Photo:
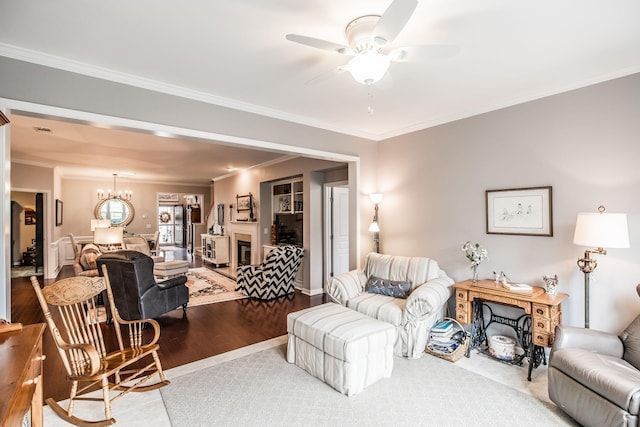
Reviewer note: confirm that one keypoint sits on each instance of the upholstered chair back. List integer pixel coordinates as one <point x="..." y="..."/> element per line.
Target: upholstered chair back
<point x="135" y="291"/>
<point x="417" y="270"/>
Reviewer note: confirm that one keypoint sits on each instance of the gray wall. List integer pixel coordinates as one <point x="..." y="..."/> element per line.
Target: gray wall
<point x="584" y="143"/>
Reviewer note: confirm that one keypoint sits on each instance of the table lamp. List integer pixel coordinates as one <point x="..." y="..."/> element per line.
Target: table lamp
<point x="100" y="223"/>
<point x="600" y="230"/>
<point x="109" y="237"/>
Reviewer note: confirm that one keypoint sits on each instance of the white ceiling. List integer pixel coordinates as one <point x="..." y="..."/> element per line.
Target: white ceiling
<point x="234" y="53"/>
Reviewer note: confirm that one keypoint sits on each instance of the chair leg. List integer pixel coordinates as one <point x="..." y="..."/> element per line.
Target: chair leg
<point x="184" y="307"/>
<point x="105" y="397"/>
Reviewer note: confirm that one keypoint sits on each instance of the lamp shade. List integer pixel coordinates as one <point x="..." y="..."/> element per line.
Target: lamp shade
<point x="376" y="197"/>
<point x="602" y="230"/>
<point x="374" y="227"/>
<point x="100" y="223"/>
<point x="108" y="236"/>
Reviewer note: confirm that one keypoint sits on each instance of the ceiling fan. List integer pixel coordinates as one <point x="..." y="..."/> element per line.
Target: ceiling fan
<point x="369" y="35"/>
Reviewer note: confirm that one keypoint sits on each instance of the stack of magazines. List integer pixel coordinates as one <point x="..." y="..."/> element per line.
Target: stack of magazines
<point x="443" y="338"/>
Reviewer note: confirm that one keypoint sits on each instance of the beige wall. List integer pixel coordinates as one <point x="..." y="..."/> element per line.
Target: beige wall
<point x="80" y="199"/>
<point x="584" y="143"/>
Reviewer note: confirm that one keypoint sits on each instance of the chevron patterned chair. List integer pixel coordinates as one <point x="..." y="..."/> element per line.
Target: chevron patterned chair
<point x="274" y="277"/>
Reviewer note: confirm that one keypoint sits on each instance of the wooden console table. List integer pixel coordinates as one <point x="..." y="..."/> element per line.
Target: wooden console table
<point x="21" y="384"/>
<point x="535" y="330"/>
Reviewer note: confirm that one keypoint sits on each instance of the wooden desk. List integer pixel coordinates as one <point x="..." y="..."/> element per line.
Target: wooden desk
<point x="545" y="312"/>
<point x="21" y="383"/>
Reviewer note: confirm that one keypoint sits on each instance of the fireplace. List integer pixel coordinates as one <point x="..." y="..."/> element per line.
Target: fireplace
<point x="244" y="252"/>
<point x="243" y="243"/>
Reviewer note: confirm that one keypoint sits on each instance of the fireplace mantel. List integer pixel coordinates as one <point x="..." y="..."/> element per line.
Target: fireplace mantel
<point x="246" y="228"/>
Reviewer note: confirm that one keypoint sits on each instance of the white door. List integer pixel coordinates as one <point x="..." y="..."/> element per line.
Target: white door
<point x="337" y="230"/>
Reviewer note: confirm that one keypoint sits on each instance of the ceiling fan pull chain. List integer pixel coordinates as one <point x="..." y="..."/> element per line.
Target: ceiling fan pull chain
<point x="370" y="103"/>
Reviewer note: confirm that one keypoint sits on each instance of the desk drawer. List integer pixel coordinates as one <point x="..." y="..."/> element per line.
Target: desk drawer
<point x="462" y="317"/>
<point x="540" y="324"/>
<point x="462" y="295"/>
<point x="542" y="339"/>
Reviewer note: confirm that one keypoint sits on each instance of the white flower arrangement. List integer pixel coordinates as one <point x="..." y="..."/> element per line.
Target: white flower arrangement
<point x="474" y="253"/>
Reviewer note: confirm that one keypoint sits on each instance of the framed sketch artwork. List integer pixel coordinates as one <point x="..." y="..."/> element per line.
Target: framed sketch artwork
<point x="58" y="212"/>
<point x="520" y="211"/>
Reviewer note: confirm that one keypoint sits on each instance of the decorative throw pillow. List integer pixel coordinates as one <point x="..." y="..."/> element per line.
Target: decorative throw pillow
<point x="631" y="341"/>
<point x="391" y="288"/>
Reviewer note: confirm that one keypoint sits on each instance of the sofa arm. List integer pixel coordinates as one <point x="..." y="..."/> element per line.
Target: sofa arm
<point x="428" y="298"/>
<point x="587" y="339"/>
<point x="345" y="286"/>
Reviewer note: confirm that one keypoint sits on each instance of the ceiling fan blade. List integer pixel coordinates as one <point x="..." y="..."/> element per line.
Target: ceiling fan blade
<point x="393" y="21"/>
<point x="320" y="44"/>
<point x="424" y="52"/>
<point x="326" y="75"/>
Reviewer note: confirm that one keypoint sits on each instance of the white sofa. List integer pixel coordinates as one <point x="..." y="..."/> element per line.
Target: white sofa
<point x="413" y="317"/>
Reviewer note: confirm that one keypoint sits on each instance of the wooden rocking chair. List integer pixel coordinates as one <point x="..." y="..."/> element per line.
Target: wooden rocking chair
<point x="78" y="335"/>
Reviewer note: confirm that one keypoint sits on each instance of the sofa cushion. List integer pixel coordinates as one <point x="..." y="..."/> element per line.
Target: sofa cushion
<point x="88" y="257"/>
<point x="391" y="288"/>
<point x="631" y="341"/>
<point x="381" y="307"/>
<point x="603" y="374"/>
<point x="417" y="270"/>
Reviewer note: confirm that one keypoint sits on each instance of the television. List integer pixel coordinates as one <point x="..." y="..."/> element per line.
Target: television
<point x="289" y="229"/>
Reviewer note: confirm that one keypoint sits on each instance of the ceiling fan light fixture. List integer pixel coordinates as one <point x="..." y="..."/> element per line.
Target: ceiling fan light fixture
<point x="368" y="67"/>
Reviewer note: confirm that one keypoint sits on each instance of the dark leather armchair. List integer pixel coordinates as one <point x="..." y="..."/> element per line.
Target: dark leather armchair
<point x="136" y="293"/>
<point x="595" y="376"/>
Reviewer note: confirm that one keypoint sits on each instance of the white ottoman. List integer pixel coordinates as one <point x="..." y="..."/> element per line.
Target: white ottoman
<point x="345" y="349"/>
<point x="168" y="269"/>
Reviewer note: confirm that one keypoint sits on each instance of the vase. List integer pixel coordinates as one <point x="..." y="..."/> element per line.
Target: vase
<point x="474" y="278"/>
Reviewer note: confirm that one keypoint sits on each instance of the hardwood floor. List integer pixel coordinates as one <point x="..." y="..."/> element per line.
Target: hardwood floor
<point x="205" y="331"/>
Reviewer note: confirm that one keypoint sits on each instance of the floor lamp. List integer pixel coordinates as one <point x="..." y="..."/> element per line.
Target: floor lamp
<point x="600" y="230"/>
<point x="374" y="228"/>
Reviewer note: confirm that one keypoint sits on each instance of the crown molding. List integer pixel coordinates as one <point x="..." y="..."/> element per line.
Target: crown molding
<point x="47" y="60"/>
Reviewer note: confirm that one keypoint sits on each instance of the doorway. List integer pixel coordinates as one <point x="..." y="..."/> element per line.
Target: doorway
<point x="27" y="233"/>
<point x="171" y="225"/>
<point x="336" y="236"/>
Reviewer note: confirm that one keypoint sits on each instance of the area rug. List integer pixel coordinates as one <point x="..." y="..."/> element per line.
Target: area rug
<point x="26" y="271"/>
<point x="262" y="389"/>
<point x="207" y="287"/>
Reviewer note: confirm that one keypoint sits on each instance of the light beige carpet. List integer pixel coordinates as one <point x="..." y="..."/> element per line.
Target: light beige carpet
<point x="207" y="287"/>
<point x="262" y="389"/>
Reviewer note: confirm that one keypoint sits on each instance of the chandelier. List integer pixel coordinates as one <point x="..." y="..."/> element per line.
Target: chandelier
<point x="114" y="194"/>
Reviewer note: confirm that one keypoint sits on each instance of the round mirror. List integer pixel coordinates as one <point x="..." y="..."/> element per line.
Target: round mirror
<point x="119" y="212"/>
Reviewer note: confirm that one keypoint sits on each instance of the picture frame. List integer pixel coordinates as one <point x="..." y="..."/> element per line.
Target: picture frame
<point x="520" y="211"/>
<point x="58" y="212"/>
<point x="244" y="202"/>
<point x="168" y="198"/>
<point x="29" y="215"/>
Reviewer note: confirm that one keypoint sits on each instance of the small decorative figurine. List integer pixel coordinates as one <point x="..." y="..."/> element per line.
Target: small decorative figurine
<point x="550" y="284"/>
